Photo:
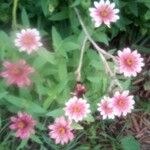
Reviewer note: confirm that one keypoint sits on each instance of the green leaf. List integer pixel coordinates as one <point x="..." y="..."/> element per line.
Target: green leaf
<point x="29" y="106"/>
<point x="46" y="55"/>
<point x="60" y="15"/>
<point x="147" y="86"/>
<point x="76" y="3"/>
<point x="94" y="79"/>
<point x="44" y="5"/>
<point x="22" y="144"/>
<point x="57" y="43"/>
<point x="126" y="84"/>
<point x="133" y="8"/>
<point x="76" y="126"/>
<point x="24" y="18"/>
<point x="89" y="118"/>
<point x="129" y="143"/>
<point x="70" y="45"/>
<point x="3" y="94"/>
<point x="101" y="37"/>
<point x="57" y="40"/>
<point x="147" y="15"/>
<point x="141" y="48"/>
<point x="36" y="139"/>
<point x="62" y="69"/>
<point x="56" y="113"/>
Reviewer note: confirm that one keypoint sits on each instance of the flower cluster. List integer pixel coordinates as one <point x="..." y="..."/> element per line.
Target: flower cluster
<point x="17" y="73"/>
<point x="119" y="104"/>
<point x="76" y="108"/>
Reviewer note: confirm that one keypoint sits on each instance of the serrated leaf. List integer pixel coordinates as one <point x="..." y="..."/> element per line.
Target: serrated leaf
<point x="129" y="143"/>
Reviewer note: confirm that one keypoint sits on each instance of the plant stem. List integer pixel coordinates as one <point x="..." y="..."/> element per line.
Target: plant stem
<point x="78" y="71"/>
<point x="90" y="38"/>
<point x="101" y="51"/>
<point x="14" y="14"/>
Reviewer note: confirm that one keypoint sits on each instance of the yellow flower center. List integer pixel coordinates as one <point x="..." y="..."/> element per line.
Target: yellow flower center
<point x="129" y="61"/>
<point x="76" y="109"/>
<point x="121" y="102"/>
<point x="28" y="39"/>
<point x="21" y="125"/>
<point x="62" y="130"/>
<point x="104" y="13"/>
<point x="16" y="70"/>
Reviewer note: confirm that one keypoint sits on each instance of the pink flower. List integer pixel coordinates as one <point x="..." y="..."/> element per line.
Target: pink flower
<point x="122" y="103"/>
<point x="28" y="40"/>
<point x="24" y="124"/>
<point x="105" y="109"/>
<point x="76" y="109"/>
<point x="104" y="12"/>
<point x="61" y="131"/>
<point x="17" y="73"/>
<point x="130" y="63"/>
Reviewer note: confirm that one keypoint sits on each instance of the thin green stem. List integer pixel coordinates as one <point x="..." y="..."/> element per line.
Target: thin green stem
<point x="102" y="52"/>
<point x="78" y="71"/>
<point x="14" y="14"/>
<point x="90" y="38"/>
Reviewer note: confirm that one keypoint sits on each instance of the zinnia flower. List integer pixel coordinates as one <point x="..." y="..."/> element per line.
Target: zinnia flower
<point x="28" y="40"/>
<point x="130" y="63"/>
<point x="105" y="108"/>
<point x="104" y="12"/>
<point x="17" y="73"/>
<point x="122" y="103"/>
<point x="61" y="131"/>
<point x="77" y="109"/>
<point x="24" y="124"/>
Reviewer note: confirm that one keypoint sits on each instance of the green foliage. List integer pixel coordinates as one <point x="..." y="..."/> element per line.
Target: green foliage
<point x="57" y="61"/>
<point x="129" y="143"/>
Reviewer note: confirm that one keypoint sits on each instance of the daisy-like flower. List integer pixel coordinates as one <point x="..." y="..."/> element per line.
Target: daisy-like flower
<point x="130" y="62"/>
<point x="122" y="103"/>
<point x="104" y="12"/>
<point x="17" y="73"/>
<point x="61" y="131"/>
<point x="76" y="109"/>
<point x="105" y="108"/>
<point x="24" y="124"/>
<point x="28" y="40"/>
